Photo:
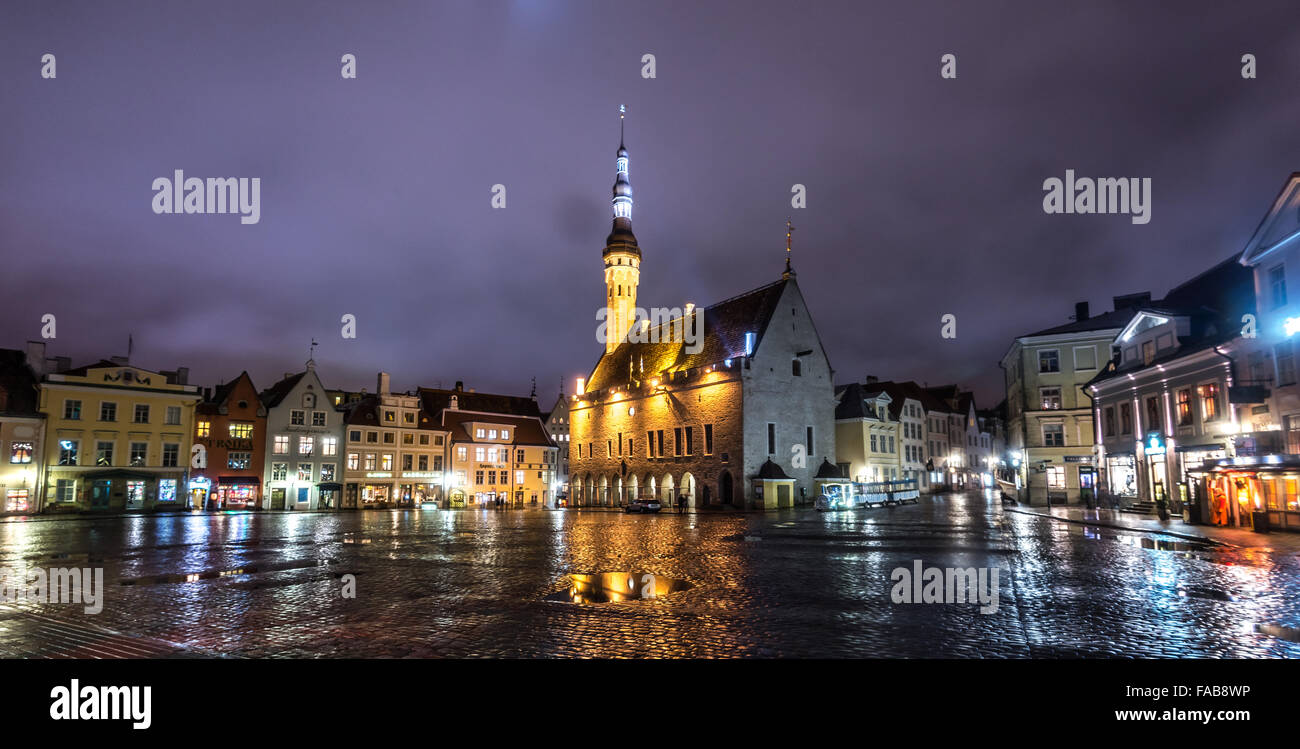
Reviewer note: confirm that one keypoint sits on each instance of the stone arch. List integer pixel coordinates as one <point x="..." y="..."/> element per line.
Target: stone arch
<point x="726" y="488"/>
<point x="651" y="486"/>
<point x="602" y="498"/>
<point x="687" y="487"/>
<point x="633" y="490"/>
<point x="667" y="491"/>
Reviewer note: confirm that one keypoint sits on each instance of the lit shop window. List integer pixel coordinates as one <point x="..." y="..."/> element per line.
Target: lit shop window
<point x="204" y="429"/>
<point x="167" y="490"/>
<point x="21" y="452"/>
<point x="17" y="500"/>
<point x="241" y="431"/>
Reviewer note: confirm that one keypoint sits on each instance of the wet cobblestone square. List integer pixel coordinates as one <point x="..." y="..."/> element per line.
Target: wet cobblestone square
<point x="798" y="583"/>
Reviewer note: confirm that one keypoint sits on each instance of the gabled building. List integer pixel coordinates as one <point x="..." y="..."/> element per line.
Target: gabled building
<point x="22" y="432"/>
<point x="1162" y="407"/>
<point x="1050" y="429"/>
<point x="695" y="422"/>
<point x="499" y="459"/>
<point x="303" y="440"/>
<point x="867" y="433"/>
<point x="557" y="426"/>
<point x="117" y="437"/>
<point x="230" y="429"/>
<point x="396" y="451"/>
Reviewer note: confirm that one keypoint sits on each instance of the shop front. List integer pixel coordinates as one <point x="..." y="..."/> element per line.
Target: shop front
<point x="197" y="491"/>
<point x="1250" y="491"/>
<point x="376" y="496"/>
<point x="329" y="495"/>
<point x="238" y="493"/>
<point x="1121" y="475"/>
<point x="1190" y="458"/>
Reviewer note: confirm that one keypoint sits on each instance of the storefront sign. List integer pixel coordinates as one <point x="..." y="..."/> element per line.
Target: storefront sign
<point x="1155" y="444"/>
<point x="379" y="475"/>
<point x="418" y="475"/>
<point x="1078" y="459"/>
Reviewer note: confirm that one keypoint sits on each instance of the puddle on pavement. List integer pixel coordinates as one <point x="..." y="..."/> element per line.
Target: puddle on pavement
<point x="1146" y="542"/>
<point x="1290" y="634"/>
<point x="248" y="569"/>
<point x="606" y="587"/>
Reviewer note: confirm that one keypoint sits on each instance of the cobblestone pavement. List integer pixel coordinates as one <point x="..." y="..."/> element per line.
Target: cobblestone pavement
<point x="795" y="583"/>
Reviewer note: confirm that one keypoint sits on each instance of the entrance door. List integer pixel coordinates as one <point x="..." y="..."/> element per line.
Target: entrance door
<point x="99" y="494"/>
<point x="725" y="492"/>
<point x="277" y="499"/>
<point x="1158" y="490"/>
<point x="1087" y="484"/>
<point x="304" y="495"/>
<point x="134" y="495"/>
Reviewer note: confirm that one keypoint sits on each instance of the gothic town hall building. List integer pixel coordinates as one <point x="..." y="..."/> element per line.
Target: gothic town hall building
<point x="742" y="415"/>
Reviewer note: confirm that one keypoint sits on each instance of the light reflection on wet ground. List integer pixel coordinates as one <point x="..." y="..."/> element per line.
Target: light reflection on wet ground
<point x="795" y="583"/>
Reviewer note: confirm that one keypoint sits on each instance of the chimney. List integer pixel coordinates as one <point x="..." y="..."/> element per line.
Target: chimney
<point x="382" y="387"/>
<point x="460" y="385"/>
<point x="1080" y="311"/>
<point x="36" y="357"/>
<point x="455" y="403"/>
<point x="182" y="375"/>
<point x="62" y="363"/>
<point x="119" y="360"/>
<point x="207" y="394"/>
<point x="870" y="379"/>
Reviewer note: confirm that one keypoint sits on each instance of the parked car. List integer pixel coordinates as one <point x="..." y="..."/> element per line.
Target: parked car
<point x="642" y="505"/>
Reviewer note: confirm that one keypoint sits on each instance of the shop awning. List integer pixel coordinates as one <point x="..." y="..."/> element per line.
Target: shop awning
<point x="237" y="480"/>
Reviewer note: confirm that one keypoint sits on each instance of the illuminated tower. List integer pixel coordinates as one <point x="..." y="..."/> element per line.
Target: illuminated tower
<point x="622" y="256"/>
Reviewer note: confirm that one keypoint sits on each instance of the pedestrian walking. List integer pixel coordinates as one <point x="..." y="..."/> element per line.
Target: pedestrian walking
<point x="681" y="504"/>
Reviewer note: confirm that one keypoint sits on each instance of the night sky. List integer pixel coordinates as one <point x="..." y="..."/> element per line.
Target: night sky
<point x="924" y="194"/>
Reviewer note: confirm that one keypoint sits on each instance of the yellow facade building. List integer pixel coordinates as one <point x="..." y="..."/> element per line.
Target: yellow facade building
<point x="118" y="437"/>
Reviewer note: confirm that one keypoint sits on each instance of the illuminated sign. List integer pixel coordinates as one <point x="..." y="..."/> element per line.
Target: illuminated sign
<point x="416" y="475"/>
<point x="1155" y="445"/>
<point x="379" y="475"/>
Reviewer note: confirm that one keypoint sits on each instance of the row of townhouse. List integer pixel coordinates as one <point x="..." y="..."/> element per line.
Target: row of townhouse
<point x="1188" y="404"/>
<point x="111" y="436"/>
<point x="932" y="435"/>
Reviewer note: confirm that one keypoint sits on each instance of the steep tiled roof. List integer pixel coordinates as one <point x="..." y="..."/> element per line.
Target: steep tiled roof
<point x="272" y="396"/>
<point x="221" y="394"/>
<point x="18" y="382"/>
<point x="528" y="430"/>
<point x="435" y="401"/>
<point x="725" y="325"/>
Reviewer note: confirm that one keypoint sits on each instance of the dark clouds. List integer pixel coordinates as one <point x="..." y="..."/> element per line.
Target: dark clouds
<point x="924" y="194"/>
